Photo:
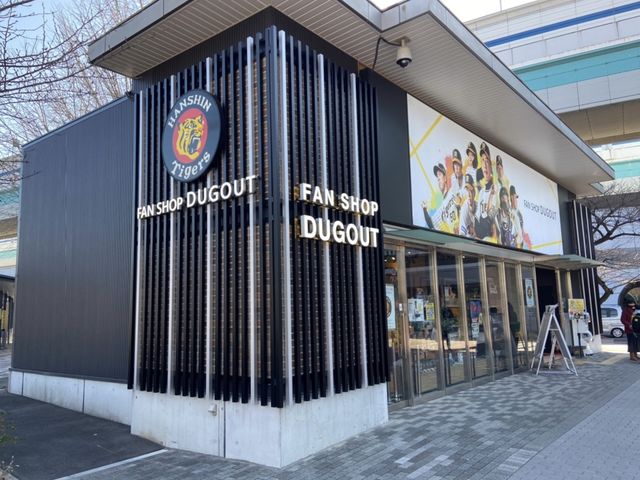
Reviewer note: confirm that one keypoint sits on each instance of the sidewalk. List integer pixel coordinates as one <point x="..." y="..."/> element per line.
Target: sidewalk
<point x="520" y="427"/>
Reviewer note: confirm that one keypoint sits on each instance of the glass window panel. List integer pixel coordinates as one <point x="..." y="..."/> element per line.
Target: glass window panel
<point x="496" y="318"/>
<point x="516" y="325"/>
<point x="451" y="320"/>
<point x="480" y="366"/>
<point x="530" y="308"/>
<point x="423" y="337"/>
<point x="392" y="271"/>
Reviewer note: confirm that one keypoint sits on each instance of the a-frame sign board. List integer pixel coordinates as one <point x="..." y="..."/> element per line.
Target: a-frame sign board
<point x="551" y="326"/>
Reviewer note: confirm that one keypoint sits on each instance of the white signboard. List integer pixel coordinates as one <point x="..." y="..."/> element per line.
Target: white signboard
<point x="463" y="185"/>
<point x="390" y="305"/>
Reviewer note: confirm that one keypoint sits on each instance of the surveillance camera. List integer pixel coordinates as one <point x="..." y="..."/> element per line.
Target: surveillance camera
<point x="403" y="55"/>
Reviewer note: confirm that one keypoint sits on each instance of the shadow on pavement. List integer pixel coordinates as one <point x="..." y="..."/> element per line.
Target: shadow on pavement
<point x="49" y="442"/>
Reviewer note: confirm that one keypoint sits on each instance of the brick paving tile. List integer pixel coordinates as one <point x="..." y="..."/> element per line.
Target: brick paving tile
<point x="520" y="427"/>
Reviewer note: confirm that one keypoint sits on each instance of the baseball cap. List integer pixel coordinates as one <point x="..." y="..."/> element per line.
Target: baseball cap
<point x="468" y="180"/>
<point x="484" y="148"/>
<point x="471" y="148"/>
<point x="456" y="155"/>
<point x="512" y="191"/>
<point x="498" y="160"/>
<point x="439" y="168"/>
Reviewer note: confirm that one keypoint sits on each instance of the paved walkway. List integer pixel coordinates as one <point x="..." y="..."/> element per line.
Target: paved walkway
<point x="520" y="427"/>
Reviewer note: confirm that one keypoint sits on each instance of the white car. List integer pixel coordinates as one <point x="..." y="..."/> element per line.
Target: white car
<point x="611" y="324"/>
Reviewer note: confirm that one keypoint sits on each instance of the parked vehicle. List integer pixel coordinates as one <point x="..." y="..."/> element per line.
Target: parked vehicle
<point x="611" y="324"/>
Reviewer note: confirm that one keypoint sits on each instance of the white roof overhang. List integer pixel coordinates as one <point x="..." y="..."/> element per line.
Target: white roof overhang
<point x="452" y="71"/>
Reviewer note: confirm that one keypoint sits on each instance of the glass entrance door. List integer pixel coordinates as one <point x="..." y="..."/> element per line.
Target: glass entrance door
<point x="421" y="312"/>
<point x="478" y="330"/>
<point x="530" y="308"/>
<point x="516" y="323"/>
<point x="454" y="344"/>
<point x="499" y="330"/>
<point x="394" y="285"/>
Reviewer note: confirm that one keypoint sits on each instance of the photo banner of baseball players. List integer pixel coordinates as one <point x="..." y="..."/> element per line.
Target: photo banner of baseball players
<point x="463" y="185"/>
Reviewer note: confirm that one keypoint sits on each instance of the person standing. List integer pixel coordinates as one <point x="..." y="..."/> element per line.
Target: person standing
<point x="632" y="339"/>
<point x="487" y="196"/>
<point x="470" y="166"/>
<point x="468" y="208"/>
<point x="504" y="219"/>
<point x="446" y="218"/>
<point x="457" y="179"/>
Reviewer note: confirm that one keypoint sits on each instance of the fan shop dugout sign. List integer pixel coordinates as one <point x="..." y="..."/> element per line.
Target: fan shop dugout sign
<point x="190" y="142"/>
<point x="191" y="135"/>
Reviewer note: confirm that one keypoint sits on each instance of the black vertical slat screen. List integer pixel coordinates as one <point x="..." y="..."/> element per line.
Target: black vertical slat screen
<point x="306" y="257"/>
<point x="225" y="333"/>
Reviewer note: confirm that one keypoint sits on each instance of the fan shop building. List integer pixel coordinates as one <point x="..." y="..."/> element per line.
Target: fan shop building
<point x="268" y="244"/>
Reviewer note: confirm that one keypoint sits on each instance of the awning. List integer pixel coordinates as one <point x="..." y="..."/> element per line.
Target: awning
<point x="467" y="245"/>
<point x="461" y="244"/>
<point x="452" y="70"/>
<point x="567" y="262"/>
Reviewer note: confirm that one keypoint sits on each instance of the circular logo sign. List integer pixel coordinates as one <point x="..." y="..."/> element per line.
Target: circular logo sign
<point x="191" y="135"/>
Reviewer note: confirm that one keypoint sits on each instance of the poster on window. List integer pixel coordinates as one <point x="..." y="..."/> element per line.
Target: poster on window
<point x="475" y="310"/>
<point x="528" y="292"/>
<point x="576" y="306"/>
<point x="463" y="185"/>
<point x="390" y="305"/>
<point x="416" y="310"/>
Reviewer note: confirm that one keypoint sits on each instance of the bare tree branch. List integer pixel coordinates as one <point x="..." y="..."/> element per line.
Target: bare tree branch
<point x="615" y="223"/>
<point x="45" y="78"/>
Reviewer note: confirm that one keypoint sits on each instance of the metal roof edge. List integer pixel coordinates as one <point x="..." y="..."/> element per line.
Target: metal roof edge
<point x="137" y="23"/>
<point x="75" y="121"/>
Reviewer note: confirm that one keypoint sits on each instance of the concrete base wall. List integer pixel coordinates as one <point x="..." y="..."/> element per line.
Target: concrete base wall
<point x="179" y="422"/>
<point x="108" y="400"/>
<point x="288" y="434"/>
<point x="264" y="435"/>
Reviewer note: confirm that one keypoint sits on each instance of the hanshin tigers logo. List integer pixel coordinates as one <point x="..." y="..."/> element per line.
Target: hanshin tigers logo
<point x="191" y="135"/>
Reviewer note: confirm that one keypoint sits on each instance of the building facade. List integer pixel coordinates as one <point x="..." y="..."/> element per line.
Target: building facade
<point x="281" y="227"/>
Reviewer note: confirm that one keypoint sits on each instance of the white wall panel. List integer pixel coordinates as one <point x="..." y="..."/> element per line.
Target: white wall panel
<point x="506" y="56"/>
<point x="624" y="86"/>
<point x="562" y="43"/>
<point x="563" y="97"/>
<point x="598" y="35"/>
<point x="629" y="27"/>
<point x="593" y="92"/>
<point x="528" y="52"/>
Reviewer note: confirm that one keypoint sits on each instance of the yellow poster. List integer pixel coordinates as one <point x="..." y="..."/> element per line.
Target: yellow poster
<point x="576" y="305"/>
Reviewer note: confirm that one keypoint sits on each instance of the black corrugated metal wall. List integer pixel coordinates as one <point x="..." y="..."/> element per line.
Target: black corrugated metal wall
<point x="74" y="272"/>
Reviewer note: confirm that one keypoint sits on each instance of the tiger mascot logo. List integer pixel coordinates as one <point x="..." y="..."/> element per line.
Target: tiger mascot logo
<point x="189" y="141"/>
<point x="191" y="136"/>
